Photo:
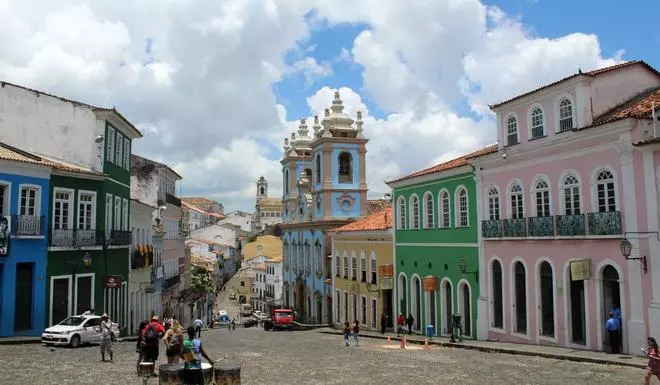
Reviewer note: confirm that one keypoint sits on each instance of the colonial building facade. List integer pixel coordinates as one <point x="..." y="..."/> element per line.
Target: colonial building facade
<point x="324" y="187"/>
<point x="268" y="211"/>
<point x="575" y="174"/>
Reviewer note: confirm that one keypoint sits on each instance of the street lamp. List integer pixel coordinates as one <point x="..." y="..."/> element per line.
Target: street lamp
<point x="87" y="259"/>
<point x="462" y="267"/>
<point x="626" y="250"/>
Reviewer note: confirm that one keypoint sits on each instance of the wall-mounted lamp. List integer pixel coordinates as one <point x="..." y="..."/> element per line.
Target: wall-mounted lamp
<point x="626" y="250"/>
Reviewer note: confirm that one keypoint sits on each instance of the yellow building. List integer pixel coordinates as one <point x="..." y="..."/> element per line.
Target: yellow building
<point x="267" y="246"/>
<point x="242" y="285"/>
<point x="362" y="266"/>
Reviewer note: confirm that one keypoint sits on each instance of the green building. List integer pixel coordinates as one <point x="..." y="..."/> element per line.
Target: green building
<point x="436" y="246"/>
<point x="89" y="231"/>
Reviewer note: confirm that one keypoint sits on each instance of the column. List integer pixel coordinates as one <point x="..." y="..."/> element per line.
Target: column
<point x="482" y="302"/>
<point x="651" y="185"/>
<point x="636" y="329"/>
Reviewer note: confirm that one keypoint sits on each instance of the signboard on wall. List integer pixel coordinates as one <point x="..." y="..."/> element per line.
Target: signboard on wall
<point x="580" y="270"/>
<point x="386" y="283"/>
<point x="111" y="281"/>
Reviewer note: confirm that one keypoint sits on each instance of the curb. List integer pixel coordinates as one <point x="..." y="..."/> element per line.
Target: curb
<point x="25" y="341"/>
<point x="487" y="349"/>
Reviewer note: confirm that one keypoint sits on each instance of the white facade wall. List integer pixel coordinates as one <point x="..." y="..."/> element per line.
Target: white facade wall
<point x="239" y="218"/>
<point x="215" y="233"/>
<point x="275" y="278"/>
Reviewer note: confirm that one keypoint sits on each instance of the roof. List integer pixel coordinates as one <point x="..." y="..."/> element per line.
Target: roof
<point x="376" y="205"/>
<point x="593" y="73"/>
<point x="454" y="163"/>
<point x="192" y="207"/>
<point x="146" y="160"/>
<point x="261" y="266"/>
<point x="112" y="110"/>
<point x="199" y="201"/>
<point x="381" y="220"/>
<point x="15" y="154"/>
<point x="639" y="106"/>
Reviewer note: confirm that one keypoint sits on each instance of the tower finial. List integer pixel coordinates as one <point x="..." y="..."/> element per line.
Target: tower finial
<point x="317" y="126"/>
<point x="358" y="124"/>
<point x="302" y="129"/>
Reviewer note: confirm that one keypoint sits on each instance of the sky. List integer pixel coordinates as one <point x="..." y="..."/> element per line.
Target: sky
<point x="215" y="86"/>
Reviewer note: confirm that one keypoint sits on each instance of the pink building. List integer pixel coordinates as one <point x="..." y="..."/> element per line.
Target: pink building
<point x="576" y="173"/>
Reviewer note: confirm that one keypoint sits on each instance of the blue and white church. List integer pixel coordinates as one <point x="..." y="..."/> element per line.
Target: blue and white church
<point x="324" y="187"/>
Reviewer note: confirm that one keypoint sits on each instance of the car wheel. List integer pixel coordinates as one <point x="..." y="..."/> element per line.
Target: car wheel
<point x="75" y="341"/>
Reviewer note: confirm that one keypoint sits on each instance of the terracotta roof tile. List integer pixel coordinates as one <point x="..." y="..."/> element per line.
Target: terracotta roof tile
<point x="376" y="205"/>
<point x="454" y="163"/>
<point x="381" y="220"/>
<point x="639" y="106"/>
<point x="12" y="153"/>
<point x="593" y="73"/>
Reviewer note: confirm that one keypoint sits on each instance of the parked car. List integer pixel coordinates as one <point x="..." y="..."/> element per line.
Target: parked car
<point x="259" y="315"/>
<point x="76" y="330"/>
<point x="249" y="322"/>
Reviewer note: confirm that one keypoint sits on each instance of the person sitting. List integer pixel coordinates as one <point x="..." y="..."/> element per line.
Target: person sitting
<point x="192" y="353"/>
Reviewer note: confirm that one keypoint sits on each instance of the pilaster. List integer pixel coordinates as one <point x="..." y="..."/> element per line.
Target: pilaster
<point x="482" y="302"/>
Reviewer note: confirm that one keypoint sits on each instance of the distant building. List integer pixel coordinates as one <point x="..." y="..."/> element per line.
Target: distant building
<point x="268" y="211"/>
<point x="238" y="218"/>
<point x="206" y="205"/>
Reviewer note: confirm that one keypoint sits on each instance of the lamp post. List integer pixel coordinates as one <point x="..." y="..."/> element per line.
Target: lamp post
<point x="462" y="267"/>
<point x="626" y="250"/>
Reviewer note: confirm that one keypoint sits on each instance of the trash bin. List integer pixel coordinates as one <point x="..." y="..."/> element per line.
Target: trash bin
<point x="429" y="330"/>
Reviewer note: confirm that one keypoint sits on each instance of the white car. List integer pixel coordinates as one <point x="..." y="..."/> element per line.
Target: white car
<point x="259" y="315"/>
<point x="76" y="330"/>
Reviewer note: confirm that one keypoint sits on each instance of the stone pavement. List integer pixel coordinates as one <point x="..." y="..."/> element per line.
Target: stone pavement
<point x="559" y="353"/>
<point x="310" y="357"/>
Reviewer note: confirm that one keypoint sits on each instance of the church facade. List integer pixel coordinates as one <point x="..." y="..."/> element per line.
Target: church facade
<point x="268" y="211"/>
<point x="324" y="187"/>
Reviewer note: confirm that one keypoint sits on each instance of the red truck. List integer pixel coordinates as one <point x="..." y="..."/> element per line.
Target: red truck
<point x="280" y="319"/>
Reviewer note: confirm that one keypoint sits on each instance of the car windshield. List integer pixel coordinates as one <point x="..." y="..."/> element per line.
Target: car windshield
<point x="72" y="321"/>
<point x="282" y="314"/>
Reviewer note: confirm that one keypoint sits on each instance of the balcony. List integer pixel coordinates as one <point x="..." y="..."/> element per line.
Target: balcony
<point x="169" y="282"/>
<point x="121" y="238"/>
<point x="597" y="224"/>
<point x="76" y="238"/>
<point x="171" y="199"/>
<point x="27" y="225"/>
<point x="541" y="226"/>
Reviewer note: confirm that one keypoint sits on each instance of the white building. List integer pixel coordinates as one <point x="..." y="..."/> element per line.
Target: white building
<point x="215" y="234"/>
<point x="274" y="282"/>
<point x="239" y="218"/>
<point x="259" y="287"/>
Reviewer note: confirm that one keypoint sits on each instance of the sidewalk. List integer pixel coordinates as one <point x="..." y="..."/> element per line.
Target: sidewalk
<point x="558" y="353"/>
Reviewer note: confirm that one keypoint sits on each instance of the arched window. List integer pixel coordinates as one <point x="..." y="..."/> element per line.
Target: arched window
<point x="511" y="131"/>
<point x="542" y="198"/>
<point x="401" y="223"/>
<point x="319" y="256"/>
<point x="572" y="197"/>
<point x="374" y="269"/>
<point x="262" y="190"/>
<point x="462" y="208"/>
<point x="517" y="208"/>
<point x="428" y="211"/>
<point x="353" y="266"/>
<point x="308" y="255"/>
<point x="345" y="266"/>
<point x="363" y="268"/>
<point x="498" y="297"/>
<point x="537" y="123"/>
<point x="345" y="167"/>
<point x="493" y="203"/>
<point x="286" y="182"/>
<point x="445" y="209"/>
<point x="318" y="168"/>
<point x="337" y="266"/>
<point x="605" y="191"/>
<point x="565" y="115"/>
<point x="414" y="212"/>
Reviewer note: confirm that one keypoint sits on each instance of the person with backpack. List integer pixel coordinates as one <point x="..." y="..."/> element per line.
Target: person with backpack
<point x="192" y="353"/>
<point x="152" y="333"/>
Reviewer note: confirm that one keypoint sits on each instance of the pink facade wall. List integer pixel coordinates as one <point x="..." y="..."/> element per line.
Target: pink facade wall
<point x="613" y="88"/>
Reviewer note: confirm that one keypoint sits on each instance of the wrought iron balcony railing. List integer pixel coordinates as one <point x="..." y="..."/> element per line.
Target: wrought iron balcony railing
<point x="604" y="223"/>
<point x="541" y="226"/>
<point x="76" y="238"/>
<point x="570" y="225"/>
<point x="27" y="225"/>
<point x="119" y="237"/>
<point x="491" y="228"/>
<point x="597" y="224"/>
<point x="515" y="228"/>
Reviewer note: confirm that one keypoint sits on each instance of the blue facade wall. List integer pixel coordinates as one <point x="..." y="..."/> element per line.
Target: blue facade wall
<point x="24" y="249"/>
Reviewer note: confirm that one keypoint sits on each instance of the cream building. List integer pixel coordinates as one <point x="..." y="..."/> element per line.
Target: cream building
<point x="268" y="211"/>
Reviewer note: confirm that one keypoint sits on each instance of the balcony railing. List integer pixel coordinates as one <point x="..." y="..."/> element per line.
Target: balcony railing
<point x="169" y="282"/>
<point x="119" y="237"/>
<point x="27" y="225"/>
<point x="76" y="238"/>
<point x="597" y="224"/>
<point x="169" y="198"/>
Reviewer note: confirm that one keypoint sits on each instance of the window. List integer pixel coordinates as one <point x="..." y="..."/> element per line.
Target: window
<point x="345" y="266"/>
<point x="110" y="140"/>
<point x="119" y="159"/>
<point x="414" y="212"/>
<point x="462" y="202"/>
<point x="4" y="199"/>
<point x="108" y="212"/>
<point x="493" y="204"/>
<point x="124" y="216"/>
<point x="29" y="204"/>
<point x="345" y="167"/>
<point x="517" y="209"/>
<point x="318" y="168"/>
<point x="308" y="255"/>
<point x="363" y="319"/>
<point x="363" y="268"/>
<point x="62" y="209"/>
<point x="242" y="283"/>
<point x="319" y="256"/>
<point x="511" y="131"/>
<point x="565" y="115"/>
<point x="353" y="267"/>
<point x="571" y="195"/>
<point x="605" y="191"/>
<point x="117" y="225"/>
<point x="537" y="123"/>
<point x="374" y="269"/>
<point x="444" y="209"/>
<point x="402" y="214"/>
<point x="428" y="211"/>
<point x="86" y="210"/>
<point x="542" y="196"/>
<point x="127" y="154"/>
<point x="286" y="182"/>
<point x="374" y="307"/>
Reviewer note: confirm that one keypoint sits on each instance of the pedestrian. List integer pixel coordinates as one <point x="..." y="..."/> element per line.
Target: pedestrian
<point x="106" y="336"/>
<point x="192" y="353"/>
<point x="198" y="327"/>
<point x="400" y="321"/>
<point x="173" y="339"/>
<point x="356" y="331"/>
<point x="232" y="325"/>
<point x="383" y="323"/>
<point x="410" y="321"/>
<point x="347" y="334"/>
<point x="653" y="367"/>
<point x="140" y="343"/>
<point x="152" y="333"/>
<point x="616" y="310"/>
<point x="613" y="328"/>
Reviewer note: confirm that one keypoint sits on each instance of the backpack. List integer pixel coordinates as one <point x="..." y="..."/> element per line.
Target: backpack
<point x="151" y="337"/>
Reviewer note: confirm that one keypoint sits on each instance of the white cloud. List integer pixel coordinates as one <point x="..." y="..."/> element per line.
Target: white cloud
<point x="203" y="94"/>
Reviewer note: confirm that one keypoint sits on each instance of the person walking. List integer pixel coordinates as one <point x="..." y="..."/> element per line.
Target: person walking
<point x="613" y="328"/>
<point x="106" y="336"/>
<point x="347" y="334"/>
<point x="192" y="353"/>
<point x="140" y="343"/>
<point x="410" y="321"/>
<point x="356" y="332"/>
<point x="173" y="339"/>
<point x="653" y="367"/>
<point x="198" y="327"/>
<point x="152" y="333"/>
<point x="400" y="321"/>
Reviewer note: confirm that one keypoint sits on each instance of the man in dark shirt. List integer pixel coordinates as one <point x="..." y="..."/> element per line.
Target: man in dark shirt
<point x="151" y="336"/>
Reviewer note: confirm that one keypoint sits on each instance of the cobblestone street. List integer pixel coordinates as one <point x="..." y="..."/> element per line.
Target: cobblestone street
<point x="311" y="358"/>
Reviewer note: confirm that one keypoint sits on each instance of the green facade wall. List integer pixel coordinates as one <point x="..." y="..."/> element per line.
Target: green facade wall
<point x="437" y="251"/>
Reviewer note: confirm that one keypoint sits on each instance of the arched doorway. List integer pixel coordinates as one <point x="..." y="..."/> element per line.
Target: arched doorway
<point x="520" y="298"/>
<point x="416" y="290"/>
<point x="498" y="295"/>
<point x="547" y="300"/>
<point x="465" y="308"/>
<point x="611" y="298"/>
<point x="403" y="295"/>
<point x="577" y="310"/>
<point x="447" y="305"/>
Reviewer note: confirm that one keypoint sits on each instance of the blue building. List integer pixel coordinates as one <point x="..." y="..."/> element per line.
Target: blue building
<point x="24" y="202"/>
<point x="324" y="188"/>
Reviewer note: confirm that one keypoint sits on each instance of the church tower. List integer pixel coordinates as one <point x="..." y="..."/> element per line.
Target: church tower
<point x="262" y="188"/>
